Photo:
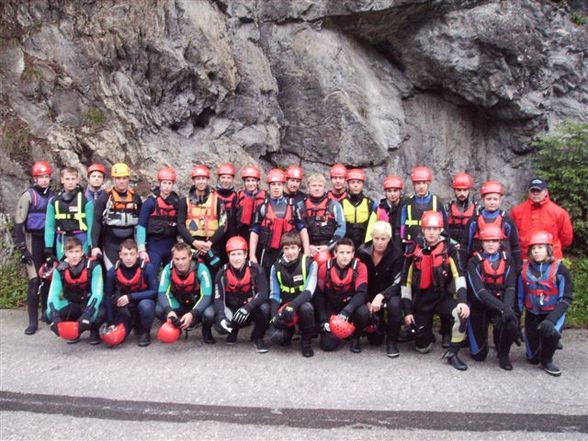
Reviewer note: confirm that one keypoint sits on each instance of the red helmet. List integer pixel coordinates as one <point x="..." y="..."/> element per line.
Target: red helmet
<point x="338" y="171"/>
<point x="41" y="168"/>
<point x="432" y="219"/>
<point x="200" y="171"/>
<point x="168" y="333"/>
<point x="492" y="187"/>
<point x="46" y="271"/>
<point x="112" y="335"/>
<point x="236" y="243"/>
<point x="421" y="174"/>
<point x="491" y="232"/>
<point x="226" y="169"/>
<point x="341" y="328"/>
<point x="276" y="175"/>
<point x="393" y="182"/>
<point x="322" y="257"/>
<point x="541" y="238"/>
<point x="68" y="330"/>
<point x="295" y="172"/>
<point x="356" y="174"/>
<point x="96" y="167"/>
<point x="250" y="171"/>
<point x="462" y="181"/>
<point x="294" y="320"/>
<point x="166" y="174"/>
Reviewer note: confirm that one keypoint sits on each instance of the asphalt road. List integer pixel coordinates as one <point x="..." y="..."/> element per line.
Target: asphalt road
<point x="52" y="390"/>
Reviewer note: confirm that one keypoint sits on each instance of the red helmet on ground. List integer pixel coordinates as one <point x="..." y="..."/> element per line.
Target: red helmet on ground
<point x="46" y="271"/>
<point x="168" y="333"/>
<point x="112" y="335"/>
<point x="236" y="243"/>
<point x="294" y="319"/>
<point x="322" y="257"/>
<point x="432" y="219"/>
<point x="341" y="328"/>
<point x="393" y="182"/>
<point x="68" y="330"/>
<point x="356" y="174"/>
<point x="41" y="168"/>
<point x="421" y="174"/>
<point x="250" y="171"/>
<point x="295" y="172"/>
<point x="541" y="238"/>
<point x="338" y="171"/>
<point x="166" y="174"/>
<point x="491" y="232"/>
<point x="96" y="168"/>
<point x="492" y="187"/>
<point x="200" y="171"/>
<point x="462" y="181"/>
<point x="226" y="169"/>
<point x="276" y="175"/>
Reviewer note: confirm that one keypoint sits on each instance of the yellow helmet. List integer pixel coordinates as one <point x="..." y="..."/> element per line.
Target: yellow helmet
<point x="120" y="170"/>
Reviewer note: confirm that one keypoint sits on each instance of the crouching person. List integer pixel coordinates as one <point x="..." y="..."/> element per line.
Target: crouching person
<point x="292" y="284"/>
<point x="76" y="294"/>
<point x="185" y="292"/>
<point x="130" y="293"/>
<point x="240" y="296"/>
<point x="342" y="292"/>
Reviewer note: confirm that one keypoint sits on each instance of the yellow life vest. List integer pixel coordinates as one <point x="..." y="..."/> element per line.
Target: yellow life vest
<point x="202" y="219"/>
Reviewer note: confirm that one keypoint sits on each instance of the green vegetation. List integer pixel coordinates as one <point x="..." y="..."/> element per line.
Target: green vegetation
<point x="93" y="117"/>
<point x="13" y="289"/>
<point x="578" y="313"/>
<point x="579" y="18"/>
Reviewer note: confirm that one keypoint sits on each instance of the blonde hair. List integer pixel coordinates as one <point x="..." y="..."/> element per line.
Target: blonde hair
<point x="382" y="227"/>
<point x="316" y="177"/>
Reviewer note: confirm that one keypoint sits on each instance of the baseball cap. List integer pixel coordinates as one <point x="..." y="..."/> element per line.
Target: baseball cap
<point x="537" y="183"/>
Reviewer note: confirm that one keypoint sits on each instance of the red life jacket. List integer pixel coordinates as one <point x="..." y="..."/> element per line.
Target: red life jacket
<point x="320" y="222"/>
<point x="482" y="223"/>
<point x="234" y="285"/>
<point x="134" y="284"/>
<point x="494" y="278"/>
<point x="277" y="226"/>
<point x="459" y="218"/>
<point x="164" y="217"/>
<point x="185" y="288"/>
<point x="428" y="264"/>
<point x="248" y="204"/>
<point x="335" y="197"/>
<point x="229" y="200"/>
<point x="541" y="293"/>
<point x="341" y="288"/>
<point x="77" y="288"/>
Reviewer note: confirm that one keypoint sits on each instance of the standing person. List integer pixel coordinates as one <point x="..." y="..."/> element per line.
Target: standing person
<point x="357" y="208"/>
<point x="294" y="177"/>
<point x="545" y="292"/>
<point x="69" y="214"/>
<point x="338" y="174"/>
<point x="383" y="260"/>
<point x="116" y="216"/>
<point x="432" y="264"/>
<point x="492" y="193"/>
<point x="30" y="230"/>
<point x="460" y="211"/>
<point x="130" y="293"/>
<point x="539" y="212"/>
<point x="96" y="175"/>
<point x="202" y="219"/>
<point x="342" y="291"/>
<point x="249" y="198"/>
<point x="293" y="281"/>
<point x="275" y="217"/>
<point x="241" y="286"/>
<point x="491" y="294"/>
<point x="76" y="291"/>
<point x="225" y="188"/>
<point x="390" y="208"/>
<point x="185" y="292"/>
<point x="158" y="221"/>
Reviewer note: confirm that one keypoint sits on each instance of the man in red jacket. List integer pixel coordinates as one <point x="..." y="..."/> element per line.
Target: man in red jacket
<point x="540" y="213"/>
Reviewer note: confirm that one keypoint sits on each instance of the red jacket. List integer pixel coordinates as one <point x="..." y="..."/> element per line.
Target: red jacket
<point x="547" y="216"/>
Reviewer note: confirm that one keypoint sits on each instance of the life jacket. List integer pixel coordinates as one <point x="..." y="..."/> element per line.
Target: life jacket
<point x="494" y="278"/>
<point x="432" y="268"/>
<point x="229" y="199"/>
<point x="341" y="289"/>
<point x="320" y="221"/>
<point x="457" y="218"/>
<point x="164" y="217"/>
<point x="185" y="288"/>
<point x="541" y="293"/>
<point x="35" y="221"/>
<point x="202" y="219"/>
<point x="339" y="198"/>
<point x="121" y="212"/>
<point x="239" y="289"/>
<point x="130" y="285"/>
<point x="70" y="216"/>
<point x="414" y="214"/>
<point x="273" y="227"/>
<point x="357" y="219"/>
<point x="247" y="205"/>
<point x="76" y="288"/>
<point x="481" y="221"/>
<point x="293" y="282"/>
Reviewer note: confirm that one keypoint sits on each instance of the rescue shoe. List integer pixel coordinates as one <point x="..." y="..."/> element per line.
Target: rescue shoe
<point x="232" y="337"/>
<point x="260" y="346"/>
<point x="355" y="345"/>
<point x="306" y="349"/>
<point x="551" y="369"/>
<point x="31" y="329"/>
<point x="424" y="350"/>
<point x="207" y="336"/>
<point x="144" y="339"/>
<point x="94" y="337"/>
<point x="456" y="362"/>
<point x="392" y="349"/>
<point x="504" y="362"/>
<point x="445" y="341"/>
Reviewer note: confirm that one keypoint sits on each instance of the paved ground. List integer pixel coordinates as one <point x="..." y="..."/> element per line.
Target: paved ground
<point x="63" y="391"/>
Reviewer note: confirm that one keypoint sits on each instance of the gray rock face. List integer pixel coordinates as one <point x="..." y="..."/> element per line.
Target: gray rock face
<point x="386" y="85"/>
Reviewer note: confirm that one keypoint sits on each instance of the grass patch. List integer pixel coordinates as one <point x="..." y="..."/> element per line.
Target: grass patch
<point x="14" y="286"/>
<point x="577" y="316"/>
<point x="93" y="117"/>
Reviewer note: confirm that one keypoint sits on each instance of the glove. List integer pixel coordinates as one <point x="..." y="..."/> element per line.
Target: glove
<point x="343" y="316"/>
<point x="84" y="321"/>
<point x="26" y="256"/>
<point x="175" y="321"/>
<point x="241" y="316"/>
<point x="278" y="323"/>
<point x="287" y="314"/>
<point x="508" y="314"/>
<point x="49" y="256"/>
<point x="547" y="329"/>
<point x="326" y="327"/>
<point x="223" y="326"/>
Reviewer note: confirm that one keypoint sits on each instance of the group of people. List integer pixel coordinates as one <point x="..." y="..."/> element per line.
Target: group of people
<point x="328" y="264"/>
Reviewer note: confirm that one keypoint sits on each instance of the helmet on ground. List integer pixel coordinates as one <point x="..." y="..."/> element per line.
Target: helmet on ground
<point x="295" y="172"/>
<point x="341" y="328"/>
<point x="276" y="175"/>
<point x="112" y="335"/>
<point x="356" y="174"/>
<point x="96" y="168"/>
<point x="200" y="171"/>
<point x="491" y="232"/>
<point x="338" y="171"/>
<point x="294" y="318"/>
<point x="421" y="174"/>
<point x="432" y="219"/>
<point x="278" y="336"/>
<point x="541" y="238"/>
<point x="68" y="330"/>
<point x="226" y="169"/>
<point x="166" y="174"/>
<point x="168" y="333"/>
<point x="393" y="182"/>
<point x="236" y="243"/>
<point x="250" y="171"/>
<point x="322" y="257"/>
<point x="492" y="187"/>
<point x="120" y="170"/>
<point x="41" y="168"/>
<point x="462" y="181"/>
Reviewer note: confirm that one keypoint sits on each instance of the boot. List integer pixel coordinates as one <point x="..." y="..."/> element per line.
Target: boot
<point x="306" y="348"/>
<point x="445" y="341"/>
<point x="355" y="345"/>
<point x="392" y="348"/>
<point x="551" y="368"/>
<point x="504" y="362"/>
<point x="207" y="335"/>
<point x="232" y="337"/>
<point x="94" y="337"/>
<point x="144" y="338"/>
<point x="260" y="346"/>
<point x="33" y="307"/>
